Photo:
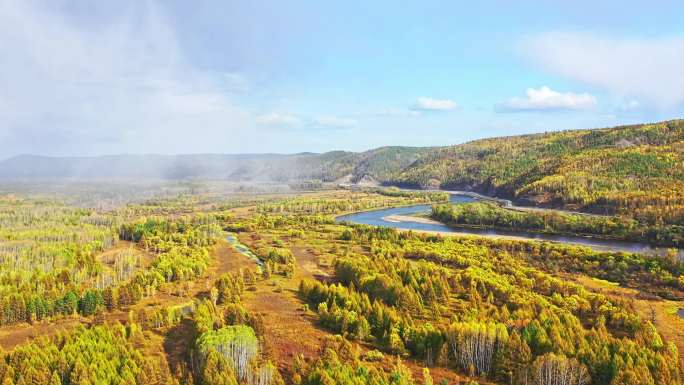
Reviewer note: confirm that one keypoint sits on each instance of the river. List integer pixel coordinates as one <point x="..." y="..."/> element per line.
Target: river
<point x="380" y="218"/>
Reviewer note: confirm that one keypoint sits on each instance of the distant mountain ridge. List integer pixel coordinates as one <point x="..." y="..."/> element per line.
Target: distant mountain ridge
<point x="375" y="164"/>
<point x="636" y="170"/>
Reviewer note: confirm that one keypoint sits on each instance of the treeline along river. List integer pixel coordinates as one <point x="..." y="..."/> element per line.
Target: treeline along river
<point x="385" y="217"/>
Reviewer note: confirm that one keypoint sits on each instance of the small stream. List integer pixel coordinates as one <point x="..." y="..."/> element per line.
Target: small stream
<point x="379" y="218"/>
<point x="244" y="250"/>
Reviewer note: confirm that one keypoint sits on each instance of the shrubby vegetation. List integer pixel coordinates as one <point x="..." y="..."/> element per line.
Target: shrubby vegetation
<point x="663" y="277"/>
<point x="340" y="364"/>
<point x="277" y="259"/>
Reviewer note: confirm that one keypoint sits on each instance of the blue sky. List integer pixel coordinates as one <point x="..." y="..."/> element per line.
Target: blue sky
<point x="88" y="78"/>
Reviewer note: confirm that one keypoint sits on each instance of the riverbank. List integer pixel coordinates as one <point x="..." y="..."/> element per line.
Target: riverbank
<point x="405" y="219"/>
<point x="509" y="204"/>
<point x="491" y="216"/>
<point x="464" y="233"/>
<point x="410" y="218"/>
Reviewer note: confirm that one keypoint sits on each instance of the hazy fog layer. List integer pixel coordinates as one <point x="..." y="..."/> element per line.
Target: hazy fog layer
<point x="342" y="167"/>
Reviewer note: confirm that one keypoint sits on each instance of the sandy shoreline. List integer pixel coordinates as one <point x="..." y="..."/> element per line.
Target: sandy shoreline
<point x="409" y="218"/>
<point x="455" y="232"/>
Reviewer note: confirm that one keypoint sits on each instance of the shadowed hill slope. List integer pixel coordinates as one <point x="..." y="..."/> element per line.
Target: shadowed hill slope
<point x="375" y="164"/>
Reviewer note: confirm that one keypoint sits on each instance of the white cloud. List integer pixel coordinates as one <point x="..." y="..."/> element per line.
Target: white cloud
<point x="276" y="119"/>
<point x="546" y="99"/>
<point x="392" y="111"/>
<point x="647" y="69"/>
<point x="334" y="122"/>
<point x="100" y="86"/>
<point x="430" y="104"/>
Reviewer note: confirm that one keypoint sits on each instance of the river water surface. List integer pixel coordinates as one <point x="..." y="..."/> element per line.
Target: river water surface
<point x="379" y="218"/>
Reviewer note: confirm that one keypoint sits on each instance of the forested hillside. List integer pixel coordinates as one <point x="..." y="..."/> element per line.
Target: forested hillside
<point x="382" y="163"/>
<point x="374" y="165"/>
<point x="633" y="170"/>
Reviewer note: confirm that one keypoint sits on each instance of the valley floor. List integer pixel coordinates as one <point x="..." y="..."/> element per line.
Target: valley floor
<point x="291" y="327"/>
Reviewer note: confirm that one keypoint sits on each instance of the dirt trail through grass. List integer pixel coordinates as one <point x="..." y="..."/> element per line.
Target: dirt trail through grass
<point x="289" y="330"/>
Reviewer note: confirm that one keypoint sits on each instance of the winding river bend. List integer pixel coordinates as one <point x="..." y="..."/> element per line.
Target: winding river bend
<point x="400" y="218"/>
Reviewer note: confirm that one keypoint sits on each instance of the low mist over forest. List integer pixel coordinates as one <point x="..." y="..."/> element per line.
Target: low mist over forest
<point x="624" y="169"/>
<point x="374" y="165"/>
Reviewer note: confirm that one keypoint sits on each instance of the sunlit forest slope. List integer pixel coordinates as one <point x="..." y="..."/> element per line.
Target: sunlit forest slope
<point x="636" y="170"/>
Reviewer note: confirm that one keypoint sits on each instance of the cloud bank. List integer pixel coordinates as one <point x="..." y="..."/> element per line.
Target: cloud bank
<point x="648" y="69"/>
<point x="120" y="82"/>
<point x="546" y="99"/>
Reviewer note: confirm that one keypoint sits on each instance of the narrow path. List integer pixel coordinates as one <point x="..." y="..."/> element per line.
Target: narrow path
<point x="289" y="329"/>
<point x="11" y="336"/>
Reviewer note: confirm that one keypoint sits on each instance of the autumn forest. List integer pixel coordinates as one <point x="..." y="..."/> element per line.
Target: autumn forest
<point x="199" y="281"/>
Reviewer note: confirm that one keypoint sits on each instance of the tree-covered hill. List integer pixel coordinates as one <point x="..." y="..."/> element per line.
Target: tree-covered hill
<point x="636" y="170"/>
<point x="381" y="163"/>
<point x="375" y="165"/>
